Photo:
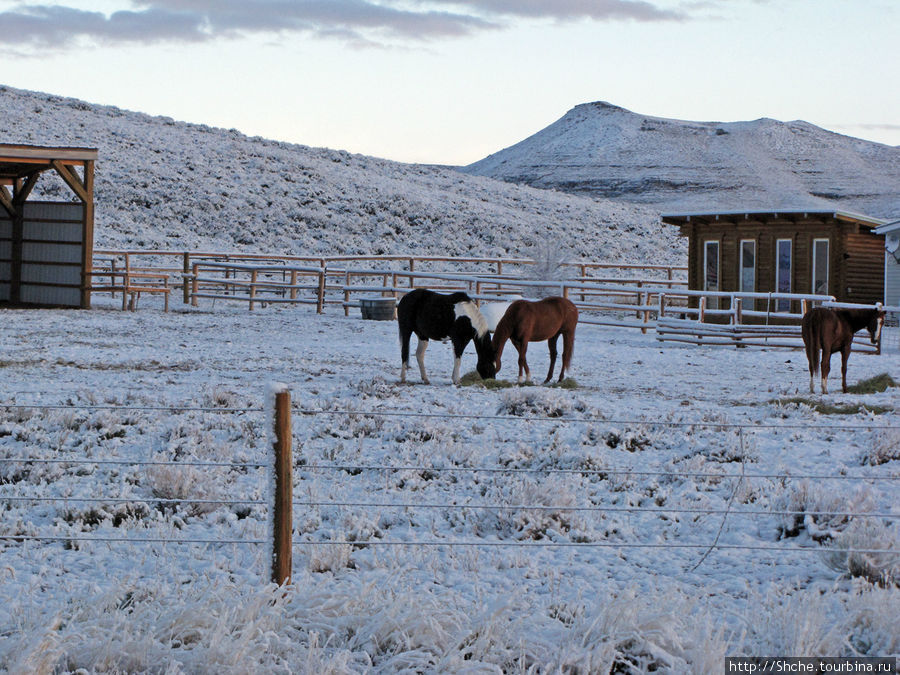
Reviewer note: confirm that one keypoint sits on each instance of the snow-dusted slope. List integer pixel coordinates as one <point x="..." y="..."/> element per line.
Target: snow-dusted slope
<point x="161" y="183"/>
<point x="605" y="151"/>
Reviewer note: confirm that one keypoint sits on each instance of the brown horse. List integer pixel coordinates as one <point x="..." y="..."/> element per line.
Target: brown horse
<point x="831" y="330"/>
<point x="545" y="319"/>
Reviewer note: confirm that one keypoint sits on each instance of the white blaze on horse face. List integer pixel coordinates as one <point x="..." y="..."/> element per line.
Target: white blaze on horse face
<point x="420" y="357"/>
<point x="878" y="326"/>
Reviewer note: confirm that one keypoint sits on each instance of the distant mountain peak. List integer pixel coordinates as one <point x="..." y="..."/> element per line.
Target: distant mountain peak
<point x="603" y="150"/>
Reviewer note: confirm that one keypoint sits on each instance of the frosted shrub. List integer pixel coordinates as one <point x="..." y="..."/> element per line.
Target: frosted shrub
<point x="328" y="557"/>
<point x="734" y="448"/>
<point x="537" y="402"/>
<point x="540" y="522"/>
<point x="220" y="397"/>
<point x="809" y="501"/>
<point x="874" y="615"/>
<point x="793" y="624"/>
<point x="867" y="535"/>
<point x="885" y="448"/>
<point x="548" y="257"/>
<point x="170" y="481"/>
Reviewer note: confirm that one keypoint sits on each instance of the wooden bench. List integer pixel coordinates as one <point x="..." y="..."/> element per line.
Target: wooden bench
<point x="132" y="284"/>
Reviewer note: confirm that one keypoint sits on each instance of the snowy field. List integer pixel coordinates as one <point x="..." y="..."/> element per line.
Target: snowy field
<point x="491" y="530"/>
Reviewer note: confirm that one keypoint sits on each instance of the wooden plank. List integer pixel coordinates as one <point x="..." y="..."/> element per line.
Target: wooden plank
<point x="37" y="154"/>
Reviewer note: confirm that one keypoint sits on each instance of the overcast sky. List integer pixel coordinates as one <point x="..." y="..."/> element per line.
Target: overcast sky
<point x="450" y="81"/>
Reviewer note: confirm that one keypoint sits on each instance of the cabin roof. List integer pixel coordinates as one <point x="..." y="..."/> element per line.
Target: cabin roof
<point x="766" y="217"/>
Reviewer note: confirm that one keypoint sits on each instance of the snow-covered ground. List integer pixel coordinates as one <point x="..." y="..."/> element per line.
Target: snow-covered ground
<point x="450" y="495"/>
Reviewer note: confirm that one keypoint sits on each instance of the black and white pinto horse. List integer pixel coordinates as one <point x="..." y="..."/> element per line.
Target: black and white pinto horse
<point x="435" y="316"/>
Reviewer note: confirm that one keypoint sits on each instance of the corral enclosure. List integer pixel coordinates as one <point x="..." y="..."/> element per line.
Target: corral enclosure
<point x="436" y="527"/>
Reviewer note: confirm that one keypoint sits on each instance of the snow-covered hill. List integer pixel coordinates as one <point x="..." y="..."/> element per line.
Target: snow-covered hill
<point x="162" y="183"/>
<point x="605" y="151"/>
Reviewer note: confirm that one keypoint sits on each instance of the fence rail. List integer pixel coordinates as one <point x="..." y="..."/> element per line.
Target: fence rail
<point x="646" y="297"/>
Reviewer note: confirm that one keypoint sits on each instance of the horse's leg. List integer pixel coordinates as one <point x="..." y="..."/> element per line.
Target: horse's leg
<point x="845" y="356"/>
<point x="568" y="348"/>
<point x="551" y="343"/>
<point x="460" y="338"/>
<point x="825" y="367"/>
<point x="521" y="347"/>
<point x="404" y="353"/>
<point x="420" y="356"/>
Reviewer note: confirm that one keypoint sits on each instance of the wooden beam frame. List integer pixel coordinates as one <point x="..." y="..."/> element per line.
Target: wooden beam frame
<point x="71" y="179"/>
<point x="6" y="200"/>
<point x="24" y="190"/>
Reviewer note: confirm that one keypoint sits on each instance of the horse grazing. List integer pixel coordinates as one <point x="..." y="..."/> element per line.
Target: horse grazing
<point x="435" y="316"/>
<point x="527" y="321"/>
<point x="831" y="330"/>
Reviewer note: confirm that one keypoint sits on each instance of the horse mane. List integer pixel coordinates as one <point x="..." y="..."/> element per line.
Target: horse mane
<point x="470" y="309"/>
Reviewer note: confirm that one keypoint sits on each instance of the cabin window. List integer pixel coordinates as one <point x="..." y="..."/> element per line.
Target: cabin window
<point x="820" y="267"/>
<point x="711" y="271"/>
<point x="783" y="273"/>
<point x="748" y="266"/>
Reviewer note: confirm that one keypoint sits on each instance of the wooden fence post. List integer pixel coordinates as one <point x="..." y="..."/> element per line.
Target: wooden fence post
<point x="253" y="277"/>
<point x="195" y="285"/>
<point x="293" y="284"/>
<point x="646" y="303"/>
<point x="702" y="308"/>
<point x="346" y="293"/>
<point x="320" y="293"/>
<point x="186" y="267"/>
<point x="282" y="508"/>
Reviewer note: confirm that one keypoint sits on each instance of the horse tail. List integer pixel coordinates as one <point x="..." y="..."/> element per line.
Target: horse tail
<point x="470" y="309"/>
<point x="810" y="331"/>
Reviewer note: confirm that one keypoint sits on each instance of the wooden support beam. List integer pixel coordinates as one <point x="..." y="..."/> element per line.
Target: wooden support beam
<point x="6" y="200"/>
<point x="87" y="238"/>
<point x="72" y="180"/>
<point x="24" y="190"/>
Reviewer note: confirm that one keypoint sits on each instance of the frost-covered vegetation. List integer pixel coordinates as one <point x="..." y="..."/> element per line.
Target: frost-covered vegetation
<point x="592" y="507"/>
<point x="167" y="184"/>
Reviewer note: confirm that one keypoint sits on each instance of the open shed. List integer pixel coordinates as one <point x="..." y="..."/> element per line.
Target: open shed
<point x="819" y="252"/>
<point x="46" y="248"/>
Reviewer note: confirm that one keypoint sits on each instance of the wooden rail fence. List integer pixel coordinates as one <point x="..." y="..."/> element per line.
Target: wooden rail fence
<point x="647" y="297"/>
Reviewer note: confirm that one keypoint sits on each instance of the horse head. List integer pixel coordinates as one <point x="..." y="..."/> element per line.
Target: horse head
<point x="485" y="351"/>
<point x="874" y="326"/>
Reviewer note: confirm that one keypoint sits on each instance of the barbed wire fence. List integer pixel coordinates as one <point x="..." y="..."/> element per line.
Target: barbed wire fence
<point x="280" y="504"/>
